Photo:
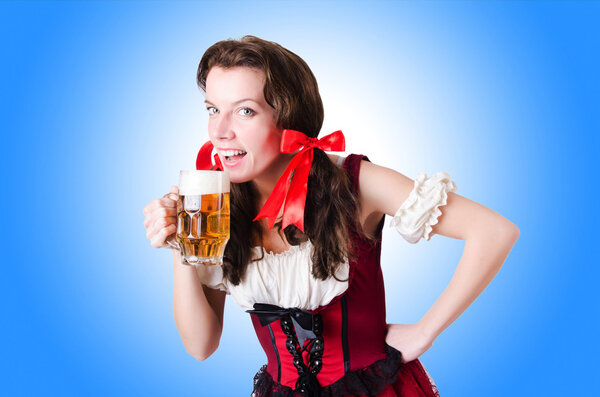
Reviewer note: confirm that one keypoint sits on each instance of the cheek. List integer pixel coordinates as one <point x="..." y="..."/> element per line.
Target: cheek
<point x="210" y="129"/>
<point x="266" y="139"/>
<point x="271" y="150"/>
<point x="274" y="140"/>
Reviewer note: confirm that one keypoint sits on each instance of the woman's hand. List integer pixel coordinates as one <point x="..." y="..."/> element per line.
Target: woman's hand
<point x="409" y="339"/>
<point x="161" y="218"/>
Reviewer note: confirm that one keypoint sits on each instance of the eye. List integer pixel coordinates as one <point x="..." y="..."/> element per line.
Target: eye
<point x="246" y="112"/>
<point x="212" y="110"/>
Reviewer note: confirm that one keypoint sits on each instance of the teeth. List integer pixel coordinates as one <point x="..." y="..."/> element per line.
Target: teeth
<point x="229" y="153"/>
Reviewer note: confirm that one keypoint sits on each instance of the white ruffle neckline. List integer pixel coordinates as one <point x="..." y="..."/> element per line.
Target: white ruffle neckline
<point x="288" y="252"/>
<point x="279" y="278"/>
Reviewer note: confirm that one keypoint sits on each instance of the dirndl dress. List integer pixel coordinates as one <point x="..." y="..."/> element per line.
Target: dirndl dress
<point x="327" y="337"/>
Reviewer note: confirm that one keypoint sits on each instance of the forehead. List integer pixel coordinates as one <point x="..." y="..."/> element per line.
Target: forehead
<point x="226" y="85"/>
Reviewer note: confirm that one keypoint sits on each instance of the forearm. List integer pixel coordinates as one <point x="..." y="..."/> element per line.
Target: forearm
<point x="197" y="323"/>
<point x="481" y="260"/>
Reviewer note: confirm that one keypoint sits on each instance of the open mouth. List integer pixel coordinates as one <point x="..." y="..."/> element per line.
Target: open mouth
<point x="233" y="155"/>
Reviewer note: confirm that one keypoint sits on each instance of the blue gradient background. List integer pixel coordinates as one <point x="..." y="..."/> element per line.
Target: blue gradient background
<point x="96" y="96"/>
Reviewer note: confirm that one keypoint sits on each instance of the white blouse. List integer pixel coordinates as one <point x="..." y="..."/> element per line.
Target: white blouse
<point x="282" y="279"/>
<point x="285" y="279"/>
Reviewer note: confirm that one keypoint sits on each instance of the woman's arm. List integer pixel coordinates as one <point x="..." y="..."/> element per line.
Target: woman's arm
<point x="198" y="311"/>
<point x="488" y="237"/>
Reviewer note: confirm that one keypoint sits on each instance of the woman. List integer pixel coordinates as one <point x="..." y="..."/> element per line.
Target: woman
<point x="308" y="271"/>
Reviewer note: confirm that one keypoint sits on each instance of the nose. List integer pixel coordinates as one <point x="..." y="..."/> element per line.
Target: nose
<point x="221" y="127"/>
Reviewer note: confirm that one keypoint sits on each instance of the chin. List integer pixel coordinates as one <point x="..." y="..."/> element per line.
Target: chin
<point x="237" y="177"/>
<point x="238" y="180"/>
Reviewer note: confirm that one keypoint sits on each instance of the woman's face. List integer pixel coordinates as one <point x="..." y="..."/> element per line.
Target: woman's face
<point x="241" y="125"/>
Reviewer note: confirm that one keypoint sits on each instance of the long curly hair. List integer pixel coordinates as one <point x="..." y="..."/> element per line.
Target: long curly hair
<point x="331" y="205"/>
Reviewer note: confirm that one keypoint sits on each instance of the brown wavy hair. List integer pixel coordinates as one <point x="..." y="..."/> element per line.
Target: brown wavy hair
<point x="331" y="205"/>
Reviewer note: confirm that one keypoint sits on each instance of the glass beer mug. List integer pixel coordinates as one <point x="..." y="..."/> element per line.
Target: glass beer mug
<point x="202" y="217"/>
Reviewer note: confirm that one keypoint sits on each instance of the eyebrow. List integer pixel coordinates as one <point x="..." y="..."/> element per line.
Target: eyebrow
<point x="236" y="102"/>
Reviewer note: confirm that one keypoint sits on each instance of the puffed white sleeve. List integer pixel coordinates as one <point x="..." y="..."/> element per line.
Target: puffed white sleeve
<point x="421" y="210"/>
<point x="212" y="276"/>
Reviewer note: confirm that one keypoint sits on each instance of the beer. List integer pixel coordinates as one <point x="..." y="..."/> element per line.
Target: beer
<point x="203" y="216"/>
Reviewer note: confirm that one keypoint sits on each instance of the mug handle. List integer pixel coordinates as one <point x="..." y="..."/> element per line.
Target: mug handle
<point x="172" y="244"/>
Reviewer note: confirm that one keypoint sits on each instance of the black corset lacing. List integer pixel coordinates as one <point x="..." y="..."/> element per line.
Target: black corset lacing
<point x="303" y="331"/>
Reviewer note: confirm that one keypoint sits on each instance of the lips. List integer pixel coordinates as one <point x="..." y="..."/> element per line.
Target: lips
<point x="231" y="157"/>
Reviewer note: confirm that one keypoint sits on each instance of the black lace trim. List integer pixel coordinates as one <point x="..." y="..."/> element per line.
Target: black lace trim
<point x="369" y="381"/>
<point x="307" y="382"/>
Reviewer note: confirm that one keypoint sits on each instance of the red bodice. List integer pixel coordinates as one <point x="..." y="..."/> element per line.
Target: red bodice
<point x="339" y="348"/>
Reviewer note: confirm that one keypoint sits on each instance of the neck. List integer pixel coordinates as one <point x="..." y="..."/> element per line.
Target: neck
<point x="266" y="182"/>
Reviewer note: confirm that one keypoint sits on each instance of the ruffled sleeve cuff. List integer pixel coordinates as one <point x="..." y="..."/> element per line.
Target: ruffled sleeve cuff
<point x="212" y="277"/>
<point x="420" y="212"/>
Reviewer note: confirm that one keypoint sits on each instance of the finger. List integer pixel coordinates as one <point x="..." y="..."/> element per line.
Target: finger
<point x="162" y="212"/>
<point x="161" y="236"/>
<point x="154" y="224"/>
<point x="151" y="219"/>
<point x="168" y="201"/>
<point x="161" y="223"/>
<point x="171" y="197"/>
<point x="154" y="204"/>
<point x="158" y="241"/>
<point x="155" y="208"/>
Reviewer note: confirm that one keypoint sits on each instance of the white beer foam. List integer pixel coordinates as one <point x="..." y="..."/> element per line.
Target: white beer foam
<point x="197" y="182"/>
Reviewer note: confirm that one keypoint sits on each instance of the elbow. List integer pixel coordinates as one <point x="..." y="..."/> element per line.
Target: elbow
<point x="506" y="237"/>
<point x="202" y="354"/>
<point x="517" y="233"/>
<point x="201" y="349"/>
<point x="503" y="233"/>
<point x="200" y="357"/>
<point x="512" y="232"/>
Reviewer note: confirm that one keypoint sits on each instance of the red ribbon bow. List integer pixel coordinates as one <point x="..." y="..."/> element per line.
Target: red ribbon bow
<point x="290" y="191"/>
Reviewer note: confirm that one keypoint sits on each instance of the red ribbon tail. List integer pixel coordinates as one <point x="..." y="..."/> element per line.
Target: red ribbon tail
<point x="271" y="208"/>
<point x="293" y="212"/>
<point x="277" y="197"/>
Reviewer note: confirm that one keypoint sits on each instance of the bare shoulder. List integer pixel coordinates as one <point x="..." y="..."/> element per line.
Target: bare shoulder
<point x="335" y="159"/>
<point x="381" y="189"/>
